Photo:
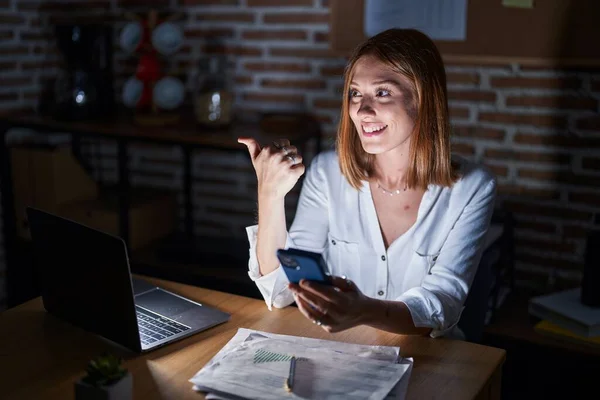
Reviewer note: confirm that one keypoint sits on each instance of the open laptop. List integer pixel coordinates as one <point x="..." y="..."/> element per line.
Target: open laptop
<point x="86" y="280"/>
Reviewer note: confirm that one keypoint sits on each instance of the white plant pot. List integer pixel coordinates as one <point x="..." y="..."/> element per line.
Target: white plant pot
<point x="120" y="390"/>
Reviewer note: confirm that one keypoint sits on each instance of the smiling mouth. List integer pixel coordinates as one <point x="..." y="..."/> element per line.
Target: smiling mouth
<point x="373" y="130"/>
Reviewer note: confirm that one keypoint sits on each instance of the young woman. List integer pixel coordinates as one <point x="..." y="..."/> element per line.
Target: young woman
<point x="399" y="220"/>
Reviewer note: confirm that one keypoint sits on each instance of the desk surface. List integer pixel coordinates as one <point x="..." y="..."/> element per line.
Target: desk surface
<point x="184" y="131"/>
<point x="42" y="357"/>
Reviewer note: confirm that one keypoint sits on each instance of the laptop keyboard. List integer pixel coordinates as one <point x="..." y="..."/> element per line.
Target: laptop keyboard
<point x="154" y="327"/>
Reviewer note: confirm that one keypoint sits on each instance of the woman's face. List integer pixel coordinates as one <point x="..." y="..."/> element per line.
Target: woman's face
<point x="381" y="106"/>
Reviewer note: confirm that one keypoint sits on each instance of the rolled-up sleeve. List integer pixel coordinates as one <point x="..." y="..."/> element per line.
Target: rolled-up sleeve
<point x="272" y="286"/>
<point x="438" y="302"/>
<point x="307" y="232"/>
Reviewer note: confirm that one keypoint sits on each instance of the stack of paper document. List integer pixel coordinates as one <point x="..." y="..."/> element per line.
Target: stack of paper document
<point x="256" y="365"/>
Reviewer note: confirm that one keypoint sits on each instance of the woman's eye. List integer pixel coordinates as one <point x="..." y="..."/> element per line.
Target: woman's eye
<point x="383" y="93"/>
<point x="354" y="93"/>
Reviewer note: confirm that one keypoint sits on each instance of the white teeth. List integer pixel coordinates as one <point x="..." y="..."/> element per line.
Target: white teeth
<point x="374" y="128"/>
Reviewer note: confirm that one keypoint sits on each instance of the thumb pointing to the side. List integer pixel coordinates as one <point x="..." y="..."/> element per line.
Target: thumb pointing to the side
<point x="253" y="146"/>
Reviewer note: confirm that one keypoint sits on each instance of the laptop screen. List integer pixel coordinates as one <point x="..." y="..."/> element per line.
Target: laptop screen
<point x="84" y="277"/>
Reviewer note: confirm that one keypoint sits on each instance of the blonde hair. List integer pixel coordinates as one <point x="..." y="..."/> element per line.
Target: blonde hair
<point x="415" y="56"/>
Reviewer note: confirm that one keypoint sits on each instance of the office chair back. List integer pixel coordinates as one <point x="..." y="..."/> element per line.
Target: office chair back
<point x="472" y="320"/>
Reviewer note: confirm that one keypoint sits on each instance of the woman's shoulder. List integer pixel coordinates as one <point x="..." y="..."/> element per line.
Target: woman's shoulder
<point x="472" y="175"/>
<point x="325" y="162"/>
<point x="324" y="168"/>
<point x="326" y="158"/>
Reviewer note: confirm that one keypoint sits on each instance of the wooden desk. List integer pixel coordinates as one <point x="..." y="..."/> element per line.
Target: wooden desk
<point x="186" y="134"/>
<point x="184" y="131"/>
<point x="42" y="357"/>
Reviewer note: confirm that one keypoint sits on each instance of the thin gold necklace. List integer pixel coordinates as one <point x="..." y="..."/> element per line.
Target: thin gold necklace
<point x="391" y="192"/>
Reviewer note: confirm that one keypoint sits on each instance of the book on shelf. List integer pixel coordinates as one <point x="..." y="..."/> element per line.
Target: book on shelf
<point x="565" y="309"/>
<point x="548" y="328"/>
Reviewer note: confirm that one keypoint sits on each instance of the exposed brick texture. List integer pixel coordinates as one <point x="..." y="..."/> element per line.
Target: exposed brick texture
<point x="538" y="129"/>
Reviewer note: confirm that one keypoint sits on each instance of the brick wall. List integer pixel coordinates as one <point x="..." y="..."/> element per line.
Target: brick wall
<point x="538" y="129"/>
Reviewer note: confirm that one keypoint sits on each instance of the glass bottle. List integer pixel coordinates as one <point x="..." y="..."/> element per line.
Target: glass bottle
<point x="212" y="98"/>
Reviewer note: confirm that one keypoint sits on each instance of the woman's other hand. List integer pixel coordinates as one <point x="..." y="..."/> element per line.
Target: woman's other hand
<point x="278" y="166"/>
<point x="335" y="308"/>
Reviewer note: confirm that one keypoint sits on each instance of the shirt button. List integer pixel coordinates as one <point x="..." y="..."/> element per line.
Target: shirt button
<point x="380" y="293"/>
<point x="333" y="242"/>
<point x="382" y="258"/>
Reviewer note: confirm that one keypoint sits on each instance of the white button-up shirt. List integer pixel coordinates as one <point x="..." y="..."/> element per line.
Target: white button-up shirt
<point x="429" y="268"/>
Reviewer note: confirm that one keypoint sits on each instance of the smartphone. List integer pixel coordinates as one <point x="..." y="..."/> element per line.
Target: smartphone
<point x="300" y="264"/>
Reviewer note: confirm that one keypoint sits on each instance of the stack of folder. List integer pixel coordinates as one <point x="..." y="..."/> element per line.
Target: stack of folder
<point x="566" y="318"/>
<point x="262" y="365"/>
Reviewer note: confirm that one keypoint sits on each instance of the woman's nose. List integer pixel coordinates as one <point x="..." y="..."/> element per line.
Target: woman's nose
<point x="366" y="107"/>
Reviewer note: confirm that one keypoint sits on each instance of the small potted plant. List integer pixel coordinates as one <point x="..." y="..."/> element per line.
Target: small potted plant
<point x="106" y="379"/>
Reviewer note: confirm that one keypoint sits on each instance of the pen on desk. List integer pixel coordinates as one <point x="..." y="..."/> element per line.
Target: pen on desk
<point x="289" y="382"/>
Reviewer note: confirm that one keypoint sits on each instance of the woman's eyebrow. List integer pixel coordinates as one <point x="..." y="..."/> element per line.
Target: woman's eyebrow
<point x="382" y="82"/>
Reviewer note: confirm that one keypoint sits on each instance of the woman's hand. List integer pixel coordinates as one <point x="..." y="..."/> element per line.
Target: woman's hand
<point x="278" y="166"/>
<point x="334" y="308"/>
